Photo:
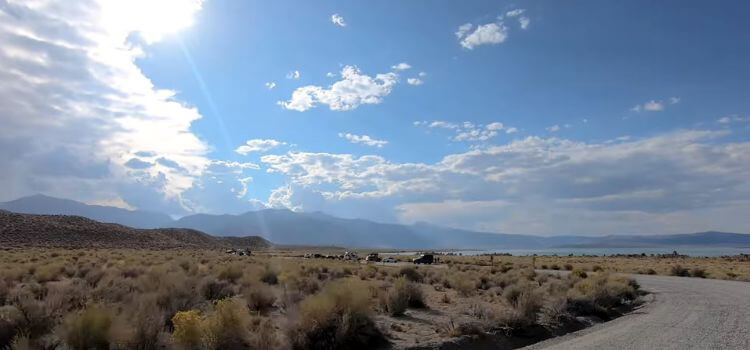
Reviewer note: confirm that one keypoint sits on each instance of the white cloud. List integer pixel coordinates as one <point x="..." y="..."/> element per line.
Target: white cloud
<point x="468" y="131"/>
<point x="553" y="128"/>
<point x="331" y="75"/>
<point x="422" y="74"/>
<point x="733" y="119"/>
<point x="524" y="22"/>
<point x="270" y="85"/>
<point x="363" y="139"/>
<point x="515" y="13"/>
<point x="463" y="30"/>
<point x="295" y="74"/>
<point x="353" y="90"/>
<point x="258" y="145"/>
<point x="414" y="81"/>
<point x="338" y="20"/>
<point x="543" y="185"/>
<point x="76" y="107"/>
<point x="486" y="34"/>
<point x="401" y="66"/>
<point x="655" y="105"/>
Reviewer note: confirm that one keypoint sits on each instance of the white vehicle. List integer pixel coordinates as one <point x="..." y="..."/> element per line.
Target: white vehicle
<point x="390" y="259"/>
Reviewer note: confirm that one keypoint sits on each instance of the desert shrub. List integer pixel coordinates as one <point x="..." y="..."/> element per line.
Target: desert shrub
<point x="463" y="285"/>
<point x="698" y="272"/>
<point x="678" y="270"/>
<point x="650" y="272"/>
<point x="259" y="298"/>
<point x="36" y="319"/>
<point x="227" y="326"/>
<point x="339" y="317"/>
<point x="48" y="273"/>
<point x="544" y="267"/>
<point x="555" y="267"/>
<point x="411" y="274"/>
<point x="188" y="329"/>
<point x="597" y="268"/>
<point x="269" y="276"/>
<point x="10" y="319"/>
<point x="212" y="289"/>
<point x="404" y="293"/>
<point x="231" y="273"/>
<point x="568" y="267"/>
<point x="88" y="330"/>
<point x="554" y="310"/>
<point x="579" y="273"/>
<point x="597" y="294"/>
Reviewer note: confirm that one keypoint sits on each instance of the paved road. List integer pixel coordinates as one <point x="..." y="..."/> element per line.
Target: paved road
<point x="685" y="313"/>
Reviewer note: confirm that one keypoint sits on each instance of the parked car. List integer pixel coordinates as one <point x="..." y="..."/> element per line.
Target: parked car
<point x="424" y="259"/>
<point x="372" y="257"/>
<point x="390" y="260"/>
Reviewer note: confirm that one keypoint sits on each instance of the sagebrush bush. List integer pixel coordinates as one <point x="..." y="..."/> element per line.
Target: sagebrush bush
<point x="678" y="270"/>
<point x="259" y="298"/>
<point x="411" y="274"/>
<point x="88" y="331"/>
<point x="339" y="317"/>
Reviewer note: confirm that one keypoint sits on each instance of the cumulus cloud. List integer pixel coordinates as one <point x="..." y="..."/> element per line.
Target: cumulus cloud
<point x="338" y="20"/>
<point x="70" y="83"/>
<point x="270" y="85"/>
<point x="524" y="22"/>
<point x="536" y="185"/>
<point x="485" y="34"/>
<point x="468" y="131"/>
<point x="354" y="89"/>
<point x="414" y="81"/>
<point x="363" y="139"/>
<point x="401" y="66"/>
<point x="258" y="145"/>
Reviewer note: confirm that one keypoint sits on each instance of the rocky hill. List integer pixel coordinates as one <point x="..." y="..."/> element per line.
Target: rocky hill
<point x="79" y="232"/>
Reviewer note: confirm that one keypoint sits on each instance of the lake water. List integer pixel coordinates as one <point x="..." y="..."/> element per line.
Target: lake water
<point x="691" y="251"/>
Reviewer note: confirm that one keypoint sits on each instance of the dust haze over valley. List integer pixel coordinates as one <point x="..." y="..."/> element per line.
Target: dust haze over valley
<point x="421" y="175"/>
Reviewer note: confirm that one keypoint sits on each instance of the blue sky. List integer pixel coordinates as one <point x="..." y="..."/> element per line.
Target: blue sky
<point x="544" y="117"/>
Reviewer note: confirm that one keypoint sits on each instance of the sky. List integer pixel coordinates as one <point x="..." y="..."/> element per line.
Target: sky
<point x="536" y="117"/>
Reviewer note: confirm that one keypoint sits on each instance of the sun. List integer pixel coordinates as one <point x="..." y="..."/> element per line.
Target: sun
<point x="152" y="19"/>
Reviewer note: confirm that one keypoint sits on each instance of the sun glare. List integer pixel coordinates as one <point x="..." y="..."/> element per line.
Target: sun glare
<point x="152" y="19"/>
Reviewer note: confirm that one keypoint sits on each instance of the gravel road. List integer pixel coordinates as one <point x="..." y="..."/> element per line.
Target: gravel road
<point x="685" y="313"/>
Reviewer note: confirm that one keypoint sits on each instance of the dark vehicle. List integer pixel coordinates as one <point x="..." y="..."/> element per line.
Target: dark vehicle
<point x="424" y="259"/>
<point x="372" y="257"/>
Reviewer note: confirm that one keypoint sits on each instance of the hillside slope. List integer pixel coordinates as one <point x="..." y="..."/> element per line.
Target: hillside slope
<point x="78" y="232"/>
<point x="46" y="205"/>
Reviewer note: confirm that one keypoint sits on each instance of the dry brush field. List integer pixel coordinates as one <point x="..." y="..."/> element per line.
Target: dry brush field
<point x="205" y="299"/>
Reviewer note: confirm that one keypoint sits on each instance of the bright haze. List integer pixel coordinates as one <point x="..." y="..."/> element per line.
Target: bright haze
<point x="535" y="117"/>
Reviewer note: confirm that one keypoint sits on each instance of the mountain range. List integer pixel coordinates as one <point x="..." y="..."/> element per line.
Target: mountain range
<point x="286" y="227"/>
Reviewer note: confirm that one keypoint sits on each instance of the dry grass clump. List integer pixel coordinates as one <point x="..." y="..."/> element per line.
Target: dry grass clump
<point x="339" y="317"/>
<point x="89" y="330"/>
<point x="403" y="295"/>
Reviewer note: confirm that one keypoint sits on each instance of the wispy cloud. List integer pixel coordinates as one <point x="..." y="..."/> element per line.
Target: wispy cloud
<point x="295" y="74"/>
<point x="468" y="131"/>
<point x="655" y="105"/>
<point x="363" y="139"/>
<point x="270" y="85"/>
<point x="338" y="20"/>
<point x="490" y="33"/>
<point x="258" y="145"/>
<point x="414" y="81"/>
